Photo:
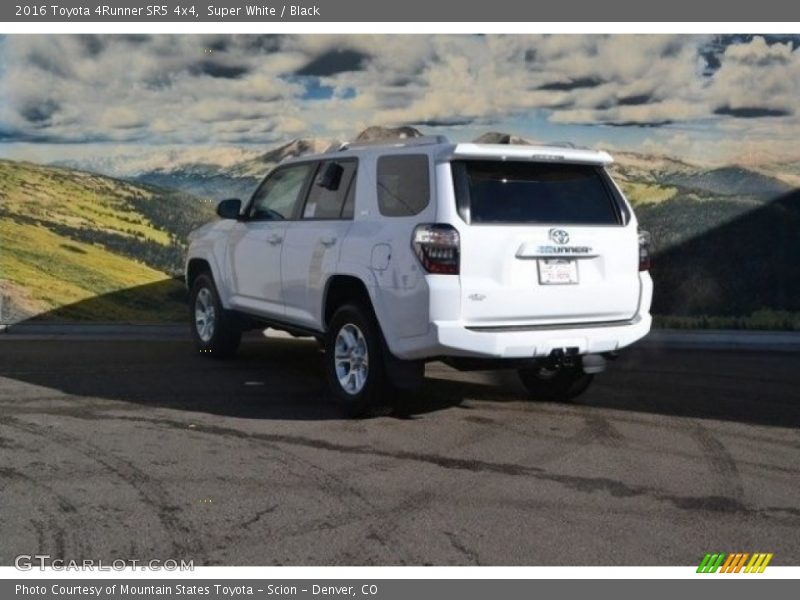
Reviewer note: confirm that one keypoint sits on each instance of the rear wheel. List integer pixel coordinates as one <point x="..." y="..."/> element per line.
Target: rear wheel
<point x="353" y="360"/>
<point x="559" y="384"/>
<point x="215" y="330"/>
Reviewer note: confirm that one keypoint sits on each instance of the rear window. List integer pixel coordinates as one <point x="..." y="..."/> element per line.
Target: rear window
<point x="530" y="192"/>
<point x="403" y="184"/>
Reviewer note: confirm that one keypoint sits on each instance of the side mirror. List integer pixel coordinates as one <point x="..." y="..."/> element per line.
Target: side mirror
<point x="331" y="176"/>
<point x="230" y="208"/>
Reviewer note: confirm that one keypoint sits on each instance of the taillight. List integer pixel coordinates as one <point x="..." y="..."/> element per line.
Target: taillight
<point x="644" y="251"/>
<point x="437" y="248"/>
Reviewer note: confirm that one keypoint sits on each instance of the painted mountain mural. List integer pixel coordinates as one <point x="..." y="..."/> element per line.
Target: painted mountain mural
<point x="82" y="246"/>
<point x="114" y="146"/>
<point x="724" y="237"/>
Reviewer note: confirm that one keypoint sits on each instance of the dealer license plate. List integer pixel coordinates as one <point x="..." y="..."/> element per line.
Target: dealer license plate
<point x="557" y="271"/>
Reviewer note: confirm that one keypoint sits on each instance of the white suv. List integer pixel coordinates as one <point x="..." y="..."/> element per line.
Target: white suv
<point x="394" y="254"/>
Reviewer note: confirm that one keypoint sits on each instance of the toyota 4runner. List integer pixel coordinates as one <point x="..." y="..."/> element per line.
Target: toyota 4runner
<point x="398" y="253"/>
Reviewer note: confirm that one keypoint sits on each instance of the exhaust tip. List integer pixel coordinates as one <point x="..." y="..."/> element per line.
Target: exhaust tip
<point x="593" y="363"/>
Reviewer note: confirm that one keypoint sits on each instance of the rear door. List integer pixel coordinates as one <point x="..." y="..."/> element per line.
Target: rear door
<point x="313" y="242"/>
<point x="545" y="243"/>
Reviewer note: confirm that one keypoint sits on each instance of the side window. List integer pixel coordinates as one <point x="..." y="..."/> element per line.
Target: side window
<point x="278" y="196"/>
<point x="403" y="184"/>
<point x="328" y="192"/>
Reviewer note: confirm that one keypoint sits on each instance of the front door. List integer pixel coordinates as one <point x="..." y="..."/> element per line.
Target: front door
<point x="257" y="242"/>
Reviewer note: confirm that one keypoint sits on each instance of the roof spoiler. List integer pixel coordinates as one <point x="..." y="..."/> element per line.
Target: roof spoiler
<point x="424" y="140"/>
<point x="548" y="153"/>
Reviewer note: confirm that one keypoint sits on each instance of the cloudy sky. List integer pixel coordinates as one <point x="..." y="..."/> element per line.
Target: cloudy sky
<point x="705" y="98"/>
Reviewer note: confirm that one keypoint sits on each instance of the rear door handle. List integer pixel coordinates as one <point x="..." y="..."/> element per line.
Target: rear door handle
<point x="274" y="239"/>
<point x="328" y="241"/>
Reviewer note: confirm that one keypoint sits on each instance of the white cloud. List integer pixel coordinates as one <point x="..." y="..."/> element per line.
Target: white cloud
<point x="227" y="89"/>
<point x="758" y="75"/>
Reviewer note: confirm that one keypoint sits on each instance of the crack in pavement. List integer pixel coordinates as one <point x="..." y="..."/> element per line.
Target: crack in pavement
<point x="258" y="516"/>
<point x="463" y="550"/>
<point x="184" y="540"/>
<point x="615" y="488"/>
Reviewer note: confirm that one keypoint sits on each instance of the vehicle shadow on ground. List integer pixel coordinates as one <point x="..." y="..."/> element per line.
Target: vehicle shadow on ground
<point x="282" y="379"/>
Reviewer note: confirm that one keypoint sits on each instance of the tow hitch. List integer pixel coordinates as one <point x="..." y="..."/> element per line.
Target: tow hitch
<point x="563" y="357"/>
<point x="569" y="357"/>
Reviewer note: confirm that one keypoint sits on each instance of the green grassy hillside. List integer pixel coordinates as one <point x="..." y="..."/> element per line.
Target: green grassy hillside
<point x="73" y="245"/>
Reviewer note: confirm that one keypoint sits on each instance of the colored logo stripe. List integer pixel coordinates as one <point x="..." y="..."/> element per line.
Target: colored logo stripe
<point x="728" y="566"/>
<point x="735" y="562"/>
<point x="711" y="563"/>
<point x="741" y="562"/>
<point x="758" y="563"/>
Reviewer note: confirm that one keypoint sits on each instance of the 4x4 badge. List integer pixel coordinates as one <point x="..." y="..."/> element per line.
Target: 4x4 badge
<point x="559" y="236"/>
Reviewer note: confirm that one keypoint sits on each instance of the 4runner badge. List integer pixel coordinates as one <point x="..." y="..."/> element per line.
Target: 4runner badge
<point x="559" y="236"/>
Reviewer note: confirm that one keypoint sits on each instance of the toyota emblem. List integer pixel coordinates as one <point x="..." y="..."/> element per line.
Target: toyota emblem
<point x="559" y="236"/>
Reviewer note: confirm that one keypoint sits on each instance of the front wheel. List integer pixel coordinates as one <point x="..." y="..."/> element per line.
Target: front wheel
<point x="560" y="384"/>
<point x="353" y="360"/>
<point x="214" y="330"/>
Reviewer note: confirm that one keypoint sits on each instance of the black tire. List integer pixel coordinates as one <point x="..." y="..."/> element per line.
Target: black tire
<point x="222" y="339"/>
<point x="360" y="400"/>
<point x="555" y="385"/>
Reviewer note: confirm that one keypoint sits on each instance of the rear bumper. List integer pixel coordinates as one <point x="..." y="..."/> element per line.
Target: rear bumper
<point x="455" y="339"/>
<point x="592" y="339"/>
<point x="447" y="335"/>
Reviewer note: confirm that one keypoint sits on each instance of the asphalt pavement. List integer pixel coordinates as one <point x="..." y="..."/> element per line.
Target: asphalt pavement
<point x="143" y="449"/>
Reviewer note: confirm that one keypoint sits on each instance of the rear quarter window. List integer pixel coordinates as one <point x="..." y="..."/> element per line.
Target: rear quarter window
<point x="533" y="193"/>
<point x="403" y="184"/>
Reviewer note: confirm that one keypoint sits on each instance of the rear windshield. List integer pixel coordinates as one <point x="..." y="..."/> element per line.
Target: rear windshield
<point x="530" y="192"/>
